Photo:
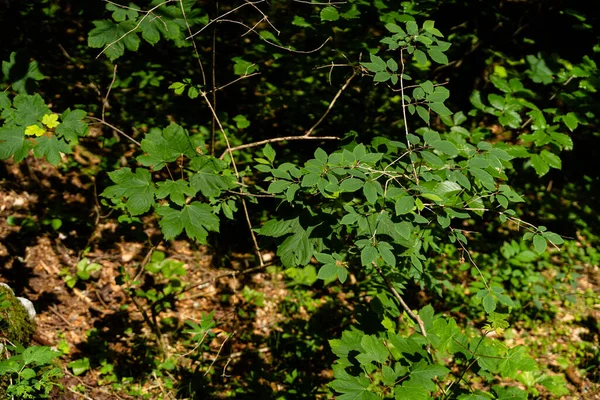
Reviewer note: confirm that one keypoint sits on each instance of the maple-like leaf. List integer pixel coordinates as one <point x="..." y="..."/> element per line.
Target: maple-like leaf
<point x="29" y="109"/>
<point x="208" y="179"/>
<point x="115" y="36"/>
<point x="166" y="146"/>
<point x="137" y="188"/>
<point x="72" y="126"/>
<point x="50" y="147"/>
<point x="12" y="142"/>
<point x="21" y="72"/>
<point x="196" y="218"/>
<point x="176" y="190"/>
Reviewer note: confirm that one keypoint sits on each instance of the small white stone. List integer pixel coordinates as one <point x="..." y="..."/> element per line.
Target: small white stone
<point x="6" y="286"/>
<point x="28" y="306"/>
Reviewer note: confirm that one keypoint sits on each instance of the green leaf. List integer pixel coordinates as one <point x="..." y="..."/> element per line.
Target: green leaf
<point x="440" y="109"/>
<point x="437" y="56"/>
<point x="446" y="147"/>
<point x="370" y="190"/>
<point x="423" y="374"/>
<point x="138" y="188"/>
<point x="208" y="179"/>
<point x="551" y="159"/>
<point x="423" y="113"/>
<point x="296" y="249"/>
<point x="39" y="355"/>
<point x="420" y="57"/>
<point x="79" y="366"/>
<point x="489" y="303"/>
<point x="327" y="272"/>
<point x="301" y="22"/>
<point x="404" y="205"/>
<point x="196" y="218"/>
<point x="374" y="350"/>
<point x="571" y="121"/>
<point x="404" y="228"/>
<point x="242" y="67"/>
<point x="72" y="127"/>
<point x="368" y="255"/>
<point x="176" y="190"/>
<point x="276" y="228"/>
<point x="28" y="110"/>
<point x="21" y="73"/>
<point x="541" y="167"/>
<point x="50" y="147"/>
<point x="12" y="142"/>
<point x="539" y="243"/>
<point x="269" y="152"/>
<point x="329" y="14"/>
<point x="116" y="37"/>
<point x="351" y="184"/>
<point x="412" y="28"/>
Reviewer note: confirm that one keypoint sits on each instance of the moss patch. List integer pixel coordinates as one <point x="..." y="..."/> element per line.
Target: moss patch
<point x="15" y="324"/>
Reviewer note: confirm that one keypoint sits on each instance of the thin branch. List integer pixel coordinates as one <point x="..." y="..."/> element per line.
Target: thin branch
<point x="237" y="174"/>
<point x="277" y="139"/>
<point x="275" y="44"/>
<point x="219" y="352"/>
<point x="187" y="24"/>
<point x="337" y="95"/>
<point x="245" y="76"/>
<point x="248" y="3"/>
<point x="396" y="294"/>
<point x="213" y="74"/>
<point x="265" y="17"/>
<point x="115" y="129"/>
<point x="105" y="101"/>
<point x="404" y="115"/>
<point x="314" y="3"/>
<point x="202" y="284"/>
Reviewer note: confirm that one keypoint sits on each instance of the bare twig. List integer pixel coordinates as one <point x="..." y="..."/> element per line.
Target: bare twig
<point x="219" y="352"/>
<point x="187" y="24"/>
<point x="222" y="275"/>
<point x="115" y="129"/>
<point x="247" y="3"/>
<point x="277" y="139"/>
<point x="237" y="174"/>
<point x="236" y="80"/>
<point x="396" y="294"/>
<point x="105" y="101"/>
<point x="337" y="95"/>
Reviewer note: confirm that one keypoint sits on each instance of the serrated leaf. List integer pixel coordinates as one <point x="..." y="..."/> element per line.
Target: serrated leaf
<point x="12" y="142"/>
<point x="137" y="188"/>
<point x="114" y="36"/>
<point x="541" y="167"/>
<point x="196" y="218"/>
<point x="176" y="190"/>
<point x="489" y="303"/>
<point x="551" y="159"/>
<point x="72" y="127"/>
<point x="373" y="350"/>
<point x="79" y="366"/>
<point x="28" y="110"/>
<point x="207" y="178"/>
<point x="39" y="355"/>
<point x="21" y="72"/>
<point x="50" y="147"/>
